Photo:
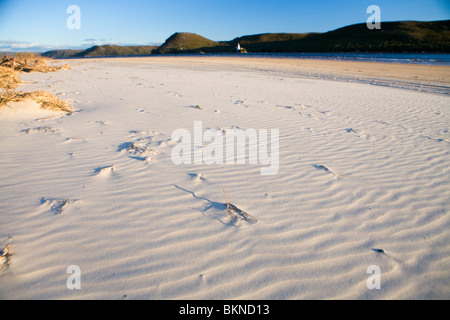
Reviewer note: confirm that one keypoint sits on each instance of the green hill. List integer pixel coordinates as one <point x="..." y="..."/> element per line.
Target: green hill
<point x="186" y="42"/>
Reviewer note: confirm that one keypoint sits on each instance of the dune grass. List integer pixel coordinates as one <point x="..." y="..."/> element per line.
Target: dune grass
<point x="45" y="99"/>
<point x="29" y="62"/>
<point x="9" y="80"/>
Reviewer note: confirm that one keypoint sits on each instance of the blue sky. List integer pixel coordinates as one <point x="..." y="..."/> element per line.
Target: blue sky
<point x="35" y="25"/>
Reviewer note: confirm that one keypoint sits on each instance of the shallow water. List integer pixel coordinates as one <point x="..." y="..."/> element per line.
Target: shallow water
<point x="411" y="58"/>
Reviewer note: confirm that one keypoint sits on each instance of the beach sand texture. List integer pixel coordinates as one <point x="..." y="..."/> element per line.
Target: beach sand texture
<point x="363" y="180"/>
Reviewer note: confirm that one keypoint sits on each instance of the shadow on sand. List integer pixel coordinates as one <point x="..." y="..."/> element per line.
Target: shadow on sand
<point x="212" y="207"/>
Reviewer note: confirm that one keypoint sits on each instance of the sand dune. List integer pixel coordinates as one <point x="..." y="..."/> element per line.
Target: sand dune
<point x="363" y="180"/>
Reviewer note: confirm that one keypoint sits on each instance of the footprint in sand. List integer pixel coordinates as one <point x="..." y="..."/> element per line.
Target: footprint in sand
<point x="104" y="171"/>
<point x="143" y="144"/>
<point x="436" y="139"/>
<point x="198" y="177"/>
<point x="141" y="133"/>
<point x="175" y="94"/>
<point x="359" y="133"/>
<point x="143" y="159"/>
<point x="132" y="147"/>
<point x="293" y="108"/>
<point x="57" y="206"/>
<point x="74" y="140"/>
<point x="46" y="130"/>
<point x="150" y="138"/>
<point x="141" y="149"/>
<point x="225" y="129"/>
<point x="351" y="130"/>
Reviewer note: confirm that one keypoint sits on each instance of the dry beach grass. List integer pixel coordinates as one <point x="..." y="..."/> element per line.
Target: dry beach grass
<point x="29" y="62"/>
<point x="10" y="80"/>
<point x="46" y="100"/>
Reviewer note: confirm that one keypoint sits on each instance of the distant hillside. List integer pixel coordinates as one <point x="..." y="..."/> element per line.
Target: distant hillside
<point x="401" y="36"/>
<point x="267" y="42"/>
<point x="60" y="54"/>
<point x="186" y="42"/>
<point x="102" y="51"/>
<point x="113" y="50"/>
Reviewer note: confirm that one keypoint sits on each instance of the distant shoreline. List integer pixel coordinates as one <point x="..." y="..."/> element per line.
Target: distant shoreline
<point x="416" y="77"/>
<point x="441" y="59"/>
<point x="424" y="58"/>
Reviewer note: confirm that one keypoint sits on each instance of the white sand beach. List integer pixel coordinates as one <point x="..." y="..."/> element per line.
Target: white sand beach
<point x="363" y="180"/>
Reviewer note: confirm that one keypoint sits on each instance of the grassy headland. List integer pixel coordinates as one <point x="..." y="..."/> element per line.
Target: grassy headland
<point x="401" y="36"/>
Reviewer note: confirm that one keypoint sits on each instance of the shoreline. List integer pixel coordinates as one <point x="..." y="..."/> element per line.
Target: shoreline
<point x="416" y="77"/>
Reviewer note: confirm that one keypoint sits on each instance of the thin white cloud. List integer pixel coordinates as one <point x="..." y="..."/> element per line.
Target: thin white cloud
<point x="99" y="42"/>
<point x="21" y="46"/>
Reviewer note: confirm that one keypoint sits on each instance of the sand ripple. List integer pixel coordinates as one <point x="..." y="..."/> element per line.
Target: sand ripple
<point x="364" y="180"/>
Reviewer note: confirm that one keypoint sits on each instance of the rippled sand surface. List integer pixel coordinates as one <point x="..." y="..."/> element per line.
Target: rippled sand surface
<point x="363" y="180"/>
